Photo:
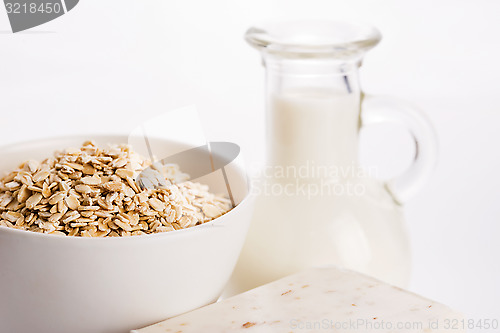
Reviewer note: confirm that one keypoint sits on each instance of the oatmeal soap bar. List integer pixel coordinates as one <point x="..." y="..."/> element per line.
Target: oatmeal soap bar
<point x="317" y="300"/>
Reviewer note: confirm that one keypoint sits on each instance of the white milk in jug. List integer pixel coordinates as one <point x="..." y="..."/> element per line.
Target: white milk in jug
<point x="315" y="206"/>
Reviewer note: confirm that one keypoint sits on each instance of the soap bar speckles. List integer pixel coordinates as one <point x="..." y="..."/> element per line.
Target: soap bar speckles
<point x="316" y="300"/>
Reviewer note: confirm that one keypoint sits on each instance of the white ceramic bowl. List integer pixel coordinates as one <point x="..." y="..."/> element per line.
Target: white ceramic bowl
<point x="111" y="285"/>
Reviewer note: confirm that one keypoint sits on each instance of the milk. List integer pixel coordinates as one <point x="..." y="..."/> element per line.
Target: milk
<point x="289" y="233"/>
<point x="313" y="125"/>
<point x="329" y="214"/>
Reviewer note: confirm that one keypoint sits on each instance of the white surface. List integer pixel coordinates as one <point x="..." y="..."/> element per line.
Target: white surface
<point x="106" y="65"/>
<point x="316" y="300"/>
<point x="81" y="285"/>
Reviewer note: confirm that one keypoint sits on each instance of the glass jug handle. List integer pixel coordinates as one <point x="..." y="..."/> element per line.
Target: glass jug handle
<point x="380" y="109"/>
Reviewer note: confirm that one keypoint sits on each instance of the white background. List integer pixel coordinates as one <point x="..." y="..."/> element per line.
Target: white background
<point x="107" y="65"/>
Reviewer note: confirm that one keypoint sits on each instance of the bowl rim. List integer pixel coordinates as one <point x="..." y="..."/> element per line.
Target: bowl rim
<point x="176" y="233"/>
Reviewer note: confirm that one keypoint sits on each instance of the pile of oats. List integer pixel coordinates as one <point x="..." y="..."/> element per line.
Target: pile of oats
<point x="91" y="192"/>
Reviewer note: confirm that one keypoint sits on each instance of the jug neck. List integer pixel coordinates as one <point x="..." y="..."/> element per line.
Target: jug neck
<point x="313" y="109"/>
<point x="313" y="94"/>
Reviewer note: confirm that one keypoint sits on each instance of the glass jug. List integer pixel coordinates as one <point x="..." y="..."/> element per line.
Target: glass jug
<point x="315" y="206"/>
